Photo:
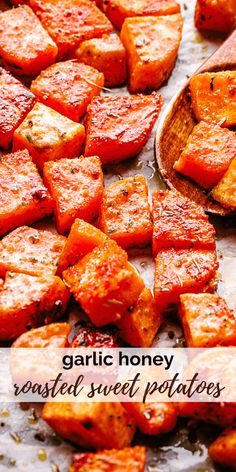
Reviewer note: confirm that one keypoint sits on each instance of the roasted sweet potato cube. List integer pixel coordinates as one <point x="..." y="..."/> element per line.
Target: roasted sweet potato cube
<point x="182" y="271"/>
<point x="125" y="213"/>
<point x="118" y="10"/>
<point x="213" y="96"/>
<point x="91" y="425"/>
<point x="215" y="15"/>
<point x="69" y="22"/>
<point x="30" y="251"/>
<point x="129" y="459"/>
<point x="107" y="54"/>
<point x="23" y="52"/>
<point x="24" y="198"/>
<point x="54" y="335"/>
<point x="207" y="320"/>
<point x="76" y="186"/>
<point x="27" y="302"/>
<point x="118" y="126"/>
<point x="63" y="138"/>
<point x="82" y="239"/>
<point x="104" y="283"/>
<point x="179" y="222"/>
<point x="152" y="45"/>
<point x="207" y="155"/>
<point x="222" y="414"/>
<point x="68" y="87"/>
<point x="88" y="336"/>
<point x="153" y="418"/>
<point x="15" y="102"/>
<point x="225" y="191"/>
<point x="139" y="325"/>
<point x="223" y="449"/>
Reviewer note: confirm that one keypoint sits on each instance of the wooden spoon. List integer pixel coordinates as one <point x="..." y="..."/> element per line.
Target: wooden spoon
<point x="177" y="123"/>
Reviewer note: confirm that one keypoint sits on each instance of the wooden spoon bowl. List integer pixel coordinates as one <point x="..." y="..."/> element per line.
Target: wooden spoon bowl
<point x="176" y="124"/>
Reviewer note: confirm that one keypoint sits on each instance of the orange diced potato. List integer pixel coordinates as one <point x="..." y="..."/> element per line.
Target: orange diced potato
<point x="118" y="127"/>
<point x="24" y="198"/>
<point x="129" y="459"/>
<point x="182" y="271"/>
<point x="223" y="449"/>
<point x="153" y="418"/>
<point x="48" y="135"/>
<point x="91" y="425"/>
<point x="68" y="87"/>
<point x="82" y="239"/>
<point x="222" y="414"/>
<point x="54" y="335"/>
<point x="25" y="47"/>
<point x="207" y="155"/>
<point x="179" y="222"/>
<point x="213" y="97"/>
<point x="69" y="22"/>
<point x="27" y="302"/>
<point x="125" y="213"/>
<point x="30" y="251"/>
<point x="104" y="283"/>
<point x="107" y="54"/>
<point x="216" y="15"/>
<point x="88" y="336"/>
<point x="207" y="320"/>
<point x="152" y="45"/>
<point x="15" y="102"/>
<point x="140" y="323"/>
<point x="118" y="10"/>
<point x="76" y="186"/>
<point x="225" y="191"/>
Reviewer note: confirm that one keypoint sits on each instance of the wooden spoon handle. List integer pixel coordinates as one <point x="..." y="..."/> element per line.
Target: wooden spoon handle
<point x="224" y="58"/>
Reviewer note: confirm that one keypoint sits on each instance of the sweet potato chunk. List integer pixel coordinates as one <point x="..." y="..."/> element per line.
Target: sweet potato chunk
<point x="91" y="425"/>
<point x="207" y="320"/>
<point x="54" y="335"/>
<point x="118" y="127"/>
<point x="76" y="186"/>
<point x="207" y="155"/>
<point x="153" y="418"/>
<point x="69" y="22"/>
<point x="118" y="10"/>
<point x="30" y="251"/>
<point x="107" y="54"/>
<point x="139" y="325"/>
<point x="88" y="336"/>
<point x="129" y="459"/>
<point x="225" y="191"/>
<point x="216" y="15"/>
<point x="48" y="135"/>
<point x="125" y="213"/>
<point x="179" y="222"/>
<point x="27" y="302"/>
<point x="182" y="271"/>
<point x="24" y="198"/>
<point x="68" y="87"/>
<point x="152" y="45"/>
<point x="15" y="102"/>
<point x="82" y="239"/>
<point x="213" y="97"/>
<point x="223" y="449"/>
<point x="104" y="283"/>
<point x="23" y="52"/>
<point x="222" y="414"/>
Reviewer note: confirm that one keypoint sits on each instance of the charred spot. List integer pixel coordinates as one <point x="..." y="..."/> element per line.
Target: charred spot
<point x="87" y="424"/>
<point x="131" y="308"/>
<point x="39" y="194"/>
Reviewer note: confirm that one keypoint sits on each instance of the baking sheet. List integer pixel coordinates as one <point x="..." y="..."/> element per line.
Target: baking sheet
<point x="26" y="442"/>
